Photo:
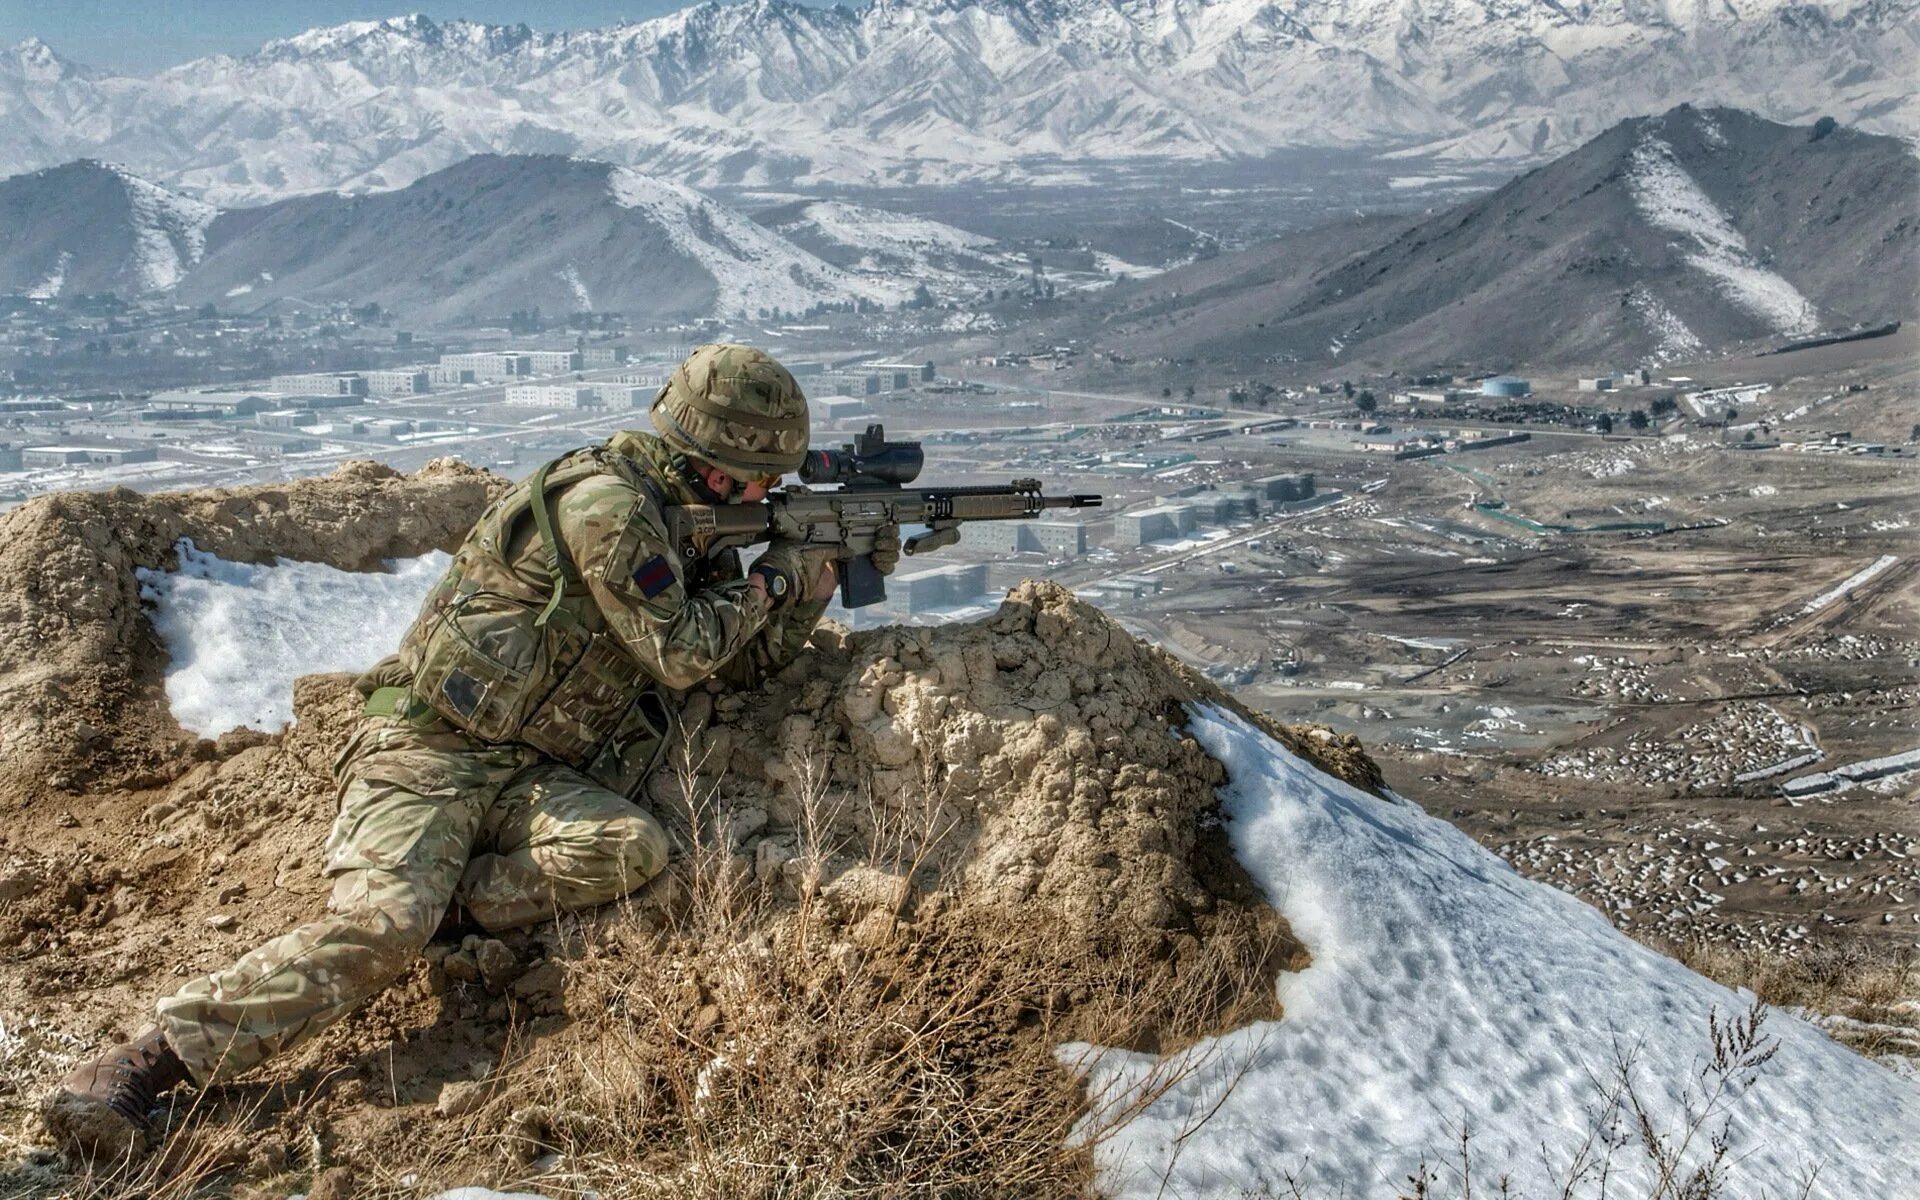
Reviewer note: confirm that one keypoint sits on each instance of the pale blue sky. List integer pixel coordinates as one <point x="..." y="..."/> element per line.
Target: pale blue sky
<point x="143" y="36"/>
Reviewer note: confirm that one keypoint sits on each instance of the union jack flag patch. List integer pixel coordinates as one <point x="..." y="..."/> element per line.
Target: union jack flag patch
<point x="653" y="576"/>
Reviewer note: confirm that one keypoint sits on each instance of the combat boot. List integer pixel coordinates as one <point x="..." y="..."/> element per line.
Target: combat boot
<point x="101" y="1109"/>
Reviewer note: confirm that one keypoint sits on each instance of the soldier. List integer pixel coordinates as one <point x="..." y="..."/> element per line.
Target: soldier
<point x="499" y="747"/>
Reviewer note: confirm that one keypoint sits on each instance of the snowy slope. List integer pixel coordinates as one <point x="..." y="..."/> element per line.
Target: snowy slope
<point x="500" y="232"/>
<point x="754" y="267"/>
<point x="169" y="230"/>
<point x="929" y="90"/>
<point x="1670" y="199"/>
<point x="238" y="634"/>
<point x="889" y="246"/>
<point x="1446" y="993"/>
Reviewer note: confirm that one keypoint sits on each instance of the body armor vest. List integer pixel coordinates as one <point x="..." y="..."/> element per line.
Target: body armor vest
<point x="508" y="660"/>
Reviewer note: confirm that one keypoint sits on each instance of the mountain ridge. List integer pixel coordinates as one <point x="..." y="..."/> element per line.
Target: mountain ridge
<point x="942" y="90"/>
<point x="1662" y="238"/>
<point x="476" y="239"/>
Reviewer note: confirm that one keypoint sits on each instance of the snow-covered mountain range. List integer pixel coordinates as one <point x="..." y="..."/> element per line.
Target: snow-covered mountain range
<point x="909" y="91"/>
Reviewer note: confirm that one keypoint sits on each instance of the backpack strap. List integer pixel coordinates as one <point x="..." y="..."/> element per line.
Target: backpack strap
<point x="559" y="566"/>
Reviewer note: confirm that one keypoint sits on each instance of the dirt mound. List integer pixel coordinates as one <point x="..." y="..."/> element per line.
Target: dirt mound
<point x="81" y="701"/>
<point x="910" y="867"/>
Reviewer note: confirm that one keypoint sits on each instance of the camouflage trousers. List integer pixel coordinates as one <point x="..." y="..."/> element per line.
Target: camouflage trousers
<point x="427" y="815"/>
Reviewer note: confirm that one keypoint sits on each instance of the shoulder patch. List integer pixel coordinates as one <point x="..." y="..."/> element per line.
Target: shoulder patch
<point x="653" y="576"/>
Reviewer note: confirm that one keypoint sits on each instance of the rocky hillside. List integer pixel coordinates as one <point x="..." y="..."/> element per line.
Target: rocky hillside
<point x="93" y="227"/>
<point x="473" y="241"/>
<point x="905" y="91"/>
<point x="1664" y="237"/>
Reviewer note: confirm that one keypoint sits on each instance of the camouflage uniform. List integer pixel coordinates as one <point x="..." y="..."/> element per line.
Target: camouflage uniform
<point x="523" y="708"/>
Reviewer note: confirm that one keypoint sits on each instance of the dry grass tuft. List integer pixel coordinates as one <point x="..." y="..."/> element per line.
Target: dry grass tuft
<point x="1865" y="995"/>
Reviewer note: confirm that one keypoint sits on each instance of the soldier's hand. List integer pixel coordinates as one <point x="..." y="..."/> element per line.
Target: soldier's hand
<point x="794" y="572"/>
<point x="886" y="549"/>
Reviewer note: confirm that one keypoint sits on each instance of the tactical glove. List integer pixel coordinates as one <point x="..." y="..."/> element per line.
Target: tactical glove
<point x="793" y="571"/>
<point x="886" y="549"/>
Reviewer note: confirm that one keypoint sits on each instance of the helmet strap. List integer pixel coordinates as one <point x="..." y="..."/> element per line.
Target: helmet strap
<point x="695" y="479"/>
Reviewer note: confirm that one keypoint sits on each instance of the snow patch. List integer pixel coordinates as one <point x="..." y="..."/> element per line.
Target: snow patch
<point x="752" y="267"/>
<point x="1447" y="992"/>
<point x="1669" y="199"/>
<point x="1851" y="583"/>
<point x="238" y="634"/>
<point x="169" y="231"/>
<point x="582" y="301"/>
<point x="1672" y="338"/>
<point x="49" y="288"/>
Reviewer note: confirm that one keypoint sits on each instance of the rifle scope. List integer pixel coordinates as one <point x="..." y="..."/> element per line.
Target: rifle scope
<point x="870" y="460"/>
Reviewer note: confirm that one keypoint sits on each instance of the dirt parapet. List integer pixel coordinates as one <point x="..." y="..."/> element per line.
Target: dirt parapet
<point x="81" y="700"/>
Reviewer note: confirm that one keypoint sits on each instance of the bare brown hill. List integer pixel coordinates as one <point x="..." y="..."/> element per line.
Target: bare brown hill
<point x="906" y="872"/>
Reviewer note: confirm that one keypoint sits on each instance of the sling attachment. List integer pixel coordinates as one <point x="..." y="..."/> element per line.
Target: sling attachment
<point x="559" y="566"/>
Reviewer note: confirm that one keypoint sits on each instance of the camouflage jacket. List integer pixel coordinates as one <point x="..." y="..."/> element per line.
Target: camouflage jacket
<point x="498" y="654"/>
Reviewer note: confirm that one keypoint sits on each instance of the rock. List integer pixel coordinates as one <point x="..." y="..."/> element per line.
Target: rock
<point x="499" y="966"/>
<point x="334" y="1183"/>
<point x="460" y="1099"/>
<point x="543" y="986"/>
<point x="16" y="885"/>
<point x="460" y="967"/>
<point x="222" y="921"/>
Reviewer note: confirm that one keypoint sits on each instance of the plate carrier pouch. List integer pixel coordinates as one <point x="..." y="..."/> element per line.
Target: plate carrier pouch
<point x="508" y="661"/>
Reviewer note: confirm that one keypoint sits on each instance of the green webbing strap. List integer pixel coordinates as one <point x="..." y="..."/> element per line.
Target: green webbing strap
<point x="559" y="567"/>
<point x="389" y="702"/>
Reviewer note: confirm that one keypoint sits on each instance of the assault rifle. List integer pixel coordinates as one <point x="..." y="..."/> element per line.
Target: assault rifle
<point x="870" y="474"/>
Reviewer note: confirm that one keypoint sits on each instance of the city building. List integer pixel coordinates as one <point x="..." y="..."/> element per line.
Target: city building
<point x="38" y="457"/>
<point x="489" y="366"/>
<point x="604" y="356"/>
<point x="619" y="395"/>
<point x="553" y="395"/>
<point x="441" y="375"/>
<point x="904" y="374"/>
<point x="1599" y="383"/>
<point x="320" y="383"/>
<point x="1285" y="489"/>
<point x="409" y="382"/>
<point x="1160" y="523"/>
<point x="552" y="362"/>
<point x="226" y="404"/>
<point x="286" y="418"/>
<point x="275" y="442"/>
<point x="938" y="587"/>
<point x="1429" y="396"/>
<point x="833" y="408"/>
<point x="1055" y="539"/>
<point x="1505" y="387"/>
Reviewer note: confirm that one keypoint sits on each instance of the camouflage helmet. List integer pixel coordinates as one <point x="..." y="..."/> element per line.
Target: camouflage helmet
<point x="737" y="408"/>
